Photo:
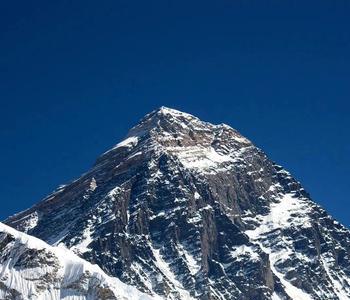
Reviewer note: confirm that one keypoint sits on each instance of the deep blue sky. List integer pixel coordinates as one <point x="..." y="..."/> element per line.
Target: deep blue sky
<point x="75" y="75"/>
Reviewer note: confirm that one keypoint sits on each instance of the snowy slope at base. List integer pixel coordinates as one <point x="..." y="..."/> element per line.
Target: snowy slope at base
<point x="59" y="274"/>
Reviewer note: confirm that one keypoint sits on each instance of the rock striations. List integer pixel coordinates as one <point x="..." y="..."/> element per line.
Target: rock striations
<point x="184" y="209"/>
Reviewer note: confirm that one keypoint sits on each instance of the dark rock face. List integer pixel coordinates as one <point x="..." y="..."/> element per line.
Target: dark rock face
<point x="186" y="209"/>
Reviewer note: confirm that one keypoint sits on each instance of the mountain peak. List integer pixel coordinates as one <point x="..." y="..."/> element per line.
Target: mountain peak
<point x="162" y="118"/>
<point x="166" y="121"/>
<point x="196" y="144"/>
<point x="185" y="209"/>
<point x="179" y="133"/>
<point x="166" y="111"/>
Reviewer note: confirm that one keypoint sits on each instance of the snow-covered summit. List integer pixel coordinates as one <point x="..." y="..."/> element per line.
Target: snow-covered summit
<point x="163" y="119"/>
<point x="167" y="111"/>
<point x="197" y="144"/>
<point x="174" y="112"/>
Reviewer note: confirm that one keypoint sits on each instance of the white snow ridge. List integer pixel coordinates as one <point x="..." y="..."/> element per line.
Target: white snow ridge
<point x="31" y="269"/>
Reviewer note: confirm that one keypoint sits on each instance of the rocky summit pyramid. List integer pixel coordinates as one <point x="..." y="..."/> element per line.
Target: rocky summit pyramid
<point x="184" y="209"/>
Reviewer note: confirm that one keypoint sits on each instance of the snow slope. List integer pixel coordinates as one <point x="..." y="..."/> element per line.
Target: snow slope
<point x="31" y="269"/>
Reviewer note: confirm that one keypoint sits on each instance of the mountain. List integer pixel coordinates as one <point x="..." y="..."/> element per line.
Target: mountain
<point x="185" y="209"/>
<point x="32" y="269"/>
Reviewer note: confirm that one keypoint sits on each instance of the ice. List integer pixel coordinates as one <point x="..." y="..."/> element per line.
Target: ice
<point x="174" y="112"/>
<point x="83" y="246"/>
<point x="245" y="250"/>
<point x="192" y="263"/>
<point x="197" y="157"/>
<point x="128" y="142"/>
<point x="93" y="184"/>
<point x="167" y="272"/>
<point x="280" y="216"/>
<point x="287" y="211"/>
<point x="275" y="296"/>
<point x="338" y="287"/>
